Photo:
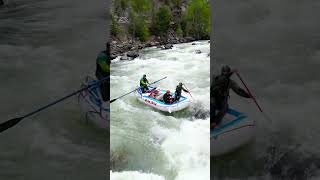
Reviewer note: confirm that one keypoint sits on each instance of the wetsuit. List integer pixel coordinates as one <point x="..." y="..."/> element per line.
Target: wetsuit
<point x="219" y="96"/>
<point x="144" y="84"/>
<point x="177" y="95"/>
<point x="102" y="71"/>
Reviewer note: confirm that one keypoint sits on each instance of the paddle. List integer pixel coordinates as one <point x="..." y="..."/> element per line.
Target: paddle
<point x="12" y="122"/>
<point x="188" y="90"/>
<point x="254" y="99"/>
<point x="134" y="90"/>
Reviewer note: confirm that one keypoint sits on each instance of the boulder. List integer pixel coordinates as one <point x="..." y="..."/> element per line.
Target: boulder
<point x="168" y="46"/>
<point x="189" y="39"/>
<point x="124" y="58"/>
<point x="133" y="54"/>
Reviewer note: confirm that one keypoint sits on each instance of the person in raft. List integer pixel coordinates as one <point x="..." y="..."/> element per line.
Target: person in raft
<point x="177" y="94"/>
<point x="144" y="83"/>
<point x="167" y="97"/>
<point x="103" y="61"/>
<point x="220" y="92"/>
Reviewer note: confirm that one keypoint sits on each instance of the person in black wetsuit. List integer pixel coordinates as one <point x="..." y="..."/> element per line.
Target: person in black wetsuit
<point x="219" y="95"/>
<point x="177" y="93"/>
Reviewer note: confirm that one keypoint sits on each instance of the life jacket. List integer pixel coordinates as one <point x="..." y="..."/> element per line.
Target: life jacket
<point x="143" y="82"/>
<point x="103" y="63"/>
<point x="221" y="86"/>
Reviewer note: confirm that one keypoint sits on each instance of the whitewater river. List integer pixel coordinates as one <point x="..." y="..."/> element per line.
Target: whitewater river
<point x="149" y="144"/>
<point x="276" y="47"/>
<point x="46" y="50"/>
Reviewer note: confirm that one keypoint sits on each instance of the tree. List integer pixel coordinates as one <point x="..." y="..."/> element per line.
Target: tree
<point x="197" y="17"/>
<point x="161" y="20"/>
<point x="140" y="6"/>
<point x="138" y="27"/>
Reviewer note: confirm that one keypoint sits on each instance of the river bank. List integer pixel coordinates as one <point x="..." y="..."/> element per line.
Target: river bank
<point x="130" y="49"/>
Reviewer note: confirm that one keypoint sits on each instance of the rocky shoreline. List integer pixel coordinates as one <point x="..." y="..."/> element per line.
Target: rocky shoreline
<point x="129" y="50"/>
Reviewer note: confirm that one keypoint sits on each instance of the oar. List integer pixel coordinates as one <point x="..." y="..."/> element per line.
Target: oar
<point x="188" y="90"/>
<point x="254" y="99"/>
<point x="134" y="90"/>
<point x="12" y="122"/>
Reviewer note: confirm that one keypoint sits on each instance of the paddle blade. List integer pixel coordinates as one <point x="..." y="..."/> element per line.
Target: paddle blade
<point x="8" y="124"/>
<point x="113" y="100"/>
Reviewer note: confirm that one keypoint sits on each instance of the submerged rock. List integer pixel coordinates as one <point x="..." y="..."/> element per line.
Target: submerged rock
<point x="198" y="52"/>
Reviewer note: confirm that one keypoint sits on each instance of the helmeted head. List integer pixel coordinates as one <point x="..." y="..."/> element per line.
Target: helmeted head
<point x="168" y="92"/>
<point x="144" y="76"/>
<point x="225" y="70"/>
<point x="180" y="83"/>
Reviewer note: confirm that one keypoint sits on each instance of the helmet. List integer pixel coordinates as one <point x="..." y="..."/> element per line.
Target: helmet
<point x="180" y="83"/>
<point x="168" y="91"/>
<point x="225" y="70"/>
<point x="144" y="76"/>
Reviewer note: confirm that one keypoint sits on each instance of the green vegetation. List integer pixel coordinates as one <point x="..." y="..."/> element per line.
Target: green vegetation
<point x="140" y="6"/>
<point x="138" y="27"/>
<point x="141" y="19"/>
<point x="197" y="18"/>
<point x="161" y="20"/>
<point x="179" y="31"/>
<point x="114" y="27"/>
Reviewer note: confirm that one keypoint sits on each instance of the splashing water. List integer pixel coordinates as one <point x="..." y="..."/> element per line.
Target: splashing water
<point x="149" y="144"/>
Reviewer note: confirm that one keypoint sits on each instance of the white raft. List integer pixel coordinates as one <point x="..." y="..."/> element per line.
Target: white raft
<point x="234" y="131"/>
<point x="158" y="103"/>
<point x="96" y="111"/>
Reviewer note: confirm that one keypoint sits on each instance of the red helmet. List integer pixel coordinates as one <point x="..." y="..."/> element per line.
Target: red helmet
<point x="168" y="91"/>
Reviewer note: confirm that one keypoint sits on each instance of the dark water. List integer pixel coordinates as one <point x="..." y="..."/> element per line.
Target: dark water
<point x="46" y="50"/>
<point x="276" y="46"/>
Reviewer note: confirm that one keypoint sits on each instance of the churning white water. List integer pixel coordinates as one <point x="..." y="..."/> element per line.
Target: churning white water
<point x="148" y="144"/>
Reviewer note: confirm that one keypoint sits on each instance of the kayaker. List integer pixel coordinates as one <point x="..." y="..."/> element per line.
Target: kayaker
<point x="103" y="61"/>
<point x="220" y="93"/>
<point x="144" y="83"/>
<point x="167" y="97"/>
<point x="177" y="94"/>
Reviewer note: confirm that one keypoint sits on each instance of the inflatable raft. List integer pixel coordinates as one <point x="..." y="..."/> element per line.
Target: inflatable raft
<point x="157" y="101"/>
<point x="95" y="110"/>
<point x="234" y="131"/>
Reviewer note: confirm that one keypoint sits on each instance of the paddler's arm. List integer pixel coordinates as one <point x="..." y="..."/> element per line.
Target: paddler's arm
<point x="241" y="92"/>
<point x="185" y="90"/>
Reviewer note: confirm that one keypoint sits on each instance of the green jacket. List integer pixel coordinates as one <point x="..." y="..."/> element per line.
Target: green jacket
<point x="143" y="81"/>
<point x="103" y="63"/>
